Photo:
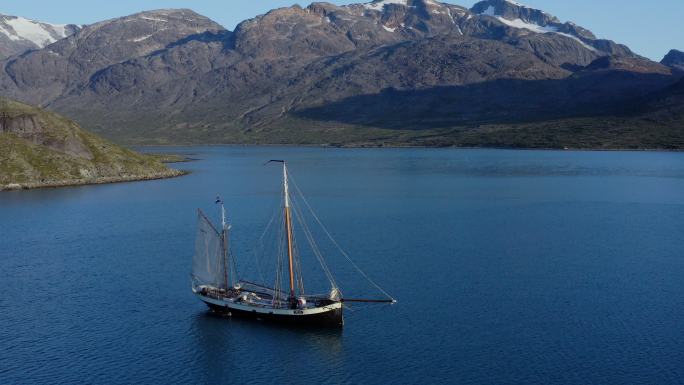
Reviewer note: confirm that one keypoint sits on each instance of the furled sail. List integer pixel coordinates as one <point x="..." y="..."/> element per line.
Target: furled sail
<point x="208" y="263"/>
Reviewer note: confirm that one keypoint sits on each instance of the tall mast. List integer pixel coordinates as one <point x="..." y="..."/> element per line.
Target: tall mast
<point x="288" y="227"/>
<point x="224" y="240"/>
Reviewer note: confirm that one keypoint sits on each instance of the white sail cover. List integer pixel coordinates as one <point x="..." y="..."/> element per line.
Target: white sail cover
<point x="207" y="265"/>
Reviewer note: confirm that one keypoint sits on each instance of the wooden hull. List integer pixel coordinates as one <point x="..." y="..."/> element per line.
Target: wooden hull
<point x="326" y="316"/>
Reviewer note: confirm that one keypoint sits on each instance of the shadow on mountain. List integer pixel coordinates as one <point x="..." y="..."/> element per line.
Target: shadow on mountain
<point x="225" y="36"/>
<point x="500" y="101"/>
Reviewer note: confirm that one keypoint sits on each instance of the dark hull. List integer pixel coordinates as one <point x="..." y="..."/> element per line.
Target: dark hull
<point x="332" y="318"/>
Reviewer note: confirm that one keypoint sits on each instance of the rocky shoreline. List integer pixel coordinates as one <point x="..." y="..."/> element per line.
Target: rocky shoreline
<point x="40" y="149"/>
<point x="171" y="173"/>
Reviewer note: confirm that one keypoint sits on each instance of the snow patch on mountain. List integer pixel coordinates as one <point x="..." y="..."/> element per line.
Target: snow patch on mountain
<point x="521" y="24"/>
<point x="575" y="38"/>
<point x="148" y="18"/>
<point x="40" y="34"/>
<point x="379" y="5"/>
<point x="536" y="28"/>
<point x="35" y="32"/>
<point x="141" y="38"/>
<point x="516" y="3"/>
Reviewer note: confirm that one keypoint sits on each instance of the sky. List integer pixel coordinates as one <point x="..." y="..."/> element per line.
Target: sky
<point x="650" y="28"/>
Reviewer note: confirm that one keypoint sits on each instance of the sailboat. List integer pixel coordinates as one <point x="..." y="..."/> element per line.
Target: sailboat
<point x="216" y="282"/>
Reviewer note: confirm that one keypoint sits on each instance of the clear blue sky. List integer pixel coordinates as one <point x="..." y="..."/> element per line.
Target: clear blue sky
<point x="651" y="28"/>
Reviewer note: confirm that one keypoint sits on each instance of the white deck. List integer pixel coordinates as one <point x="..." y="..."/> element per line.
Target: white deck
<point x="230" y="303"/>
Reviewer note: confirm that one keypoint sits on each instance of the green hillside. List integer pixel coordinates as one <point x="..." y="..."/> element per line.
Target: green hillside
<point x="42" y="149"/>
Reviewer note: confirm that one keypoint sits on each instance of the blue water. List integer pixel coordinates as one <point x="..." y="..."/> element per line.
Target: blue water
<point x="532" y="267"/>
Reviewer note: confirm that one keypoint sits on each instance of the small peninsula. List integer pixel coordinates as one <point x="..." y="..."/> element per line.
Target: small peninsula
<point x="39" y="148"/>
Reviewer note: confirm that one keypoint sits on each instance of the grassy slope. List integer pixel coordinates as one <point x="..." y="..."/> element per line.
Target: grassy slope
<point x="602" y="133"/>
<point x="28" y="164"/>
<point x="662" y="128"/>
<point x="646" y="131"/>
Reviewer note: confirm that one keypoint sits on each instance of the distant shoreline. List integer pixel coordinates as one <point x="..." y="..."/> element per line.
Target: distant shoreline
<point x="390" y="146"/>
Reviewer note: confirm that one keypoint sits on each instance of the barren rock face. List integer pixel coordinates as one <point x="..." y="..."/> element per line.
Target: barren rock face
<point x="674" y="59"/>
<point x="22" y="125"/>
<point x="512" y="10"/>
<point x="30" y="127"/>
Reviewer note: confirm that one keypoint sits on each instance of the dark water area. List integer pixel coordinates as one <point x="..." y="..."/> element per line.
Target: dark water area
<point x="534" y="267"/>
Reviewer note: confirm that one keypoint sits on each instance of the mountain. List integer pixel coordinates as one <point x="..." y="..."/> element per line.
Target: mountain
<point x="41" y="76"/>
<point x="674" y="59"/>
<point x="331" y="74"/>
<point x="42" y="149"/>
<point x="18" y="35"/>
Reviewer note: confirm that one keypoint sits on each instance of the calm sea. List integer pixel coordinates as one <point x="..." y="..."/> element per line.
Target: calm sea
<point x="533" y="267"/>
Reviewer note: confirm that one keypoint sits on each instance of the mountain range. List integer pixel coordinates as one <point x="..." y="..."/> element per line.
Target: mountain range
<point x="385" y="72"/>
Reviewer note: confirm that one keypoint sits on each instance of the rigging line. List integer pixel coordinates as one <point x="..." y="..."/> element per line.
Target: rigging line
<point x="282" y="255"/>
<point x="313" y="244"/>
<point x="283" y="273"/>
<point x="276" y="283"/>
<point x="233" y="271"/>
<point x="231" y="256"/>
<point x="275" y="213"/>
<point x="307" y="234"/>
<point x="260" y="245"/>
<point x="206" y="219"/>
<point x="279" y="247"/>
<point x="319" y="257"/>
<point x="314" y="247"/>
<point x="297" y="264"/>
<point x="335" y="242"/>
<point x="279" y="253"/>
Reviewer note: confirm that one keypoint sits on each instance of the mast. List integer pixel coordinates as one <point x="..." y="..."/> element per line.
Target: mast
<point x="288" y="227"/>
<point x="224" y="240"/>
